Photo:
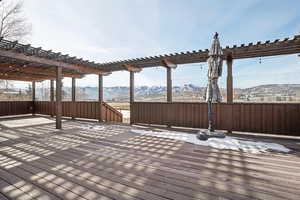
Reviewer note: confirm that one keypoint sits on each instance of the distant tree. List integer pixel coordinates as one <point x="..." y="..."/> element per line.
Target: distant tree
<point x="13" y="25"/>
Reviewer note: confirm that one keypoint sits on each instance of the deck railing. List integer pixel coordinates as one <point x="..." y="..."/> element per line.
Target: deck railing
<point x="15" y="107"/>
<point x="80" y="109"/>
<point x="275" y="118"/>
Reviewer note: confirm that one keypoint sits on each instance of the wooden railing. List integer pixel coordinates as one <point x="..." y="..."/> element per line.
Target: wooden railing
<point x="80" y="109"/>
<point x="111" y="114"/>
<point x="275" y="118"/>
<point x="15" y="107"/>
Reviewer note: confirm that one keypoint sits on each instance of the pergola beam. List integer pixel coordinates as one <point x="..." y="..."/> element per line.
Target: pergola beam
<point x="18" y="78"/>
<point x="46" y="61"/>
<point x="26" y="75"/>
<point x="260" y="49"/>
<point x="36" y="70"/>
<point x="15" y="50"/>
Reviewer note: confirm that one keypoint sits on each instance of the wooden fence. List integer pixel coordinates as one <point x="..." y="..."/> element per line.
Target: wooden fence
<point x="80" y="109"/>
<point x="275" y="118"/>
<point x="15" y="107"/>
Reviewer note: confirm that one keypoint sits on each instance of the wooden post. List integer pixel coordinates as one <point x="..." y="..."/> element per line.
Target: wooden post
<point x="229" y="62"/>
<point x="169" y="84"/>
<point x="33" y="90"/>
<point x="33" y="97"/>
<point x="131" y="93"/>
<point x="73" y="97"/>
<point x="132" y="69"/>
<point x="169" y="66"/>
<point x="58" y="97"/>
<point x="52" y="96"/>
<point x="100" y="87"/>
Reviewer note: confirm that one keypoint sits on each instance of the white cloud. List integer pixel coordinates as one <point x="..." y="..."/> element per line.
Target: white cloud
<point x="113" y="30"/>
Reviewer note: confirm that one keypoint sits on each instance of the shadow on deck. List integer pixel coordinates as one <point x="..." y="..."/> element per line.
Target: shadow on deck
<point x="88" y="160"/>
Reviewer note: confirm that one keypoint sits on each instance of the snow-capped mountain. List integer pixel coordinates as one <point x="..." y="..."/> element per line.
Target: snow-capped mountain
<point x="186" y="92"/>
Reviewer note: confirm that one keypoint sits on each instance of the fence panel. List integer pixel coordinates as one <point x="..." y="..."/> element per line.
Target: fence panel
<point x="275" y="118"/>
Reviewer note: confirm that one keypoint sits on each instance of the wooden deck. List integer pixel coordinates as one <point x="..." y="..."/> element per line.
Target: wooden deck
<point x="39" y="162"/>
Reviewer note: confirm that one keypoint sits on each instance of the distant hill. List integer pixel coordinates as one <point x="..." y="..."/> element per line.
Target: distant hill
<point x="191" y="92"/>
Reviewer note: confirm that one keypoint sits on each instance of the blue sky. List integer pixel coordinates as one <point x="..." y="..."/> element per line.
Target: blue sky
<point x="103" y="31"/>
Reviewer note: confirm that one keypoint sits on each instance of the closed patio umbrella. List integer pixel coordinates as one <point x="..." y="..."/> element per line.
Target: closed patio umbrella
<point x="213" y="94"/>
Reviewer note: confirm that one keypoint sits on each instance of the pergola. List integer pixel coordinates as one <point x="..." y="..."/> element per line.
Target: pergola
<point x="26" y="63"/>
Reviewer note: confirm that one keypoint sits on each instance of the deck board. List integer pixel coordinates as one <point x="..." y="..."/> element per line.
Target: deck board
<point x="39" y="162"/>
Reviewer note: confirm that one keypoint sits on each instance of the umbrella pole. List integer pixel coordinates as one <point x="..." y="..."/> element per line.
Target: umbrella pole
<point x="210" y="122"/>
<point x="210" y="114"/>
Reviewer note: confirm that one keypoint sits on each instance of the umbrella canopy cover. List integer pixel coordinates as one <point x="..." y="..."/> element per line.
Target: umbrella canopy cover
<point x="215" y="63"/>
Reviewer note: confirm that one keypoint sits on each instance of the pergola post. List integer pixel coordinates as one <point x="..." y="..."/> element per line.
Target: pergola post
<point x="33" y="90"/>
<point x="131" y="86"/>
<point x="33" y="97"/>
<point x="73" y="96"/>
<point x="100" y="98"/>
<point x="132" y="70"/>
<point x="131" y="94"/>
<point x="52" y="96"/>
<point x="169" y="66"/>
<point x="58" y="97"/>
<point x="169" y="84"/>
<point x="229" y="62"/>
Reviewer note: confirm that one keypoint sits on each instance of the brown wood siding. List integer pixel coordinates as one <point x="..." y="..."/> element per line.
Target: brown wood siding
<point x="275" y="118"/>
<point x="89" y="110"/>
<point x="15" y="107"/>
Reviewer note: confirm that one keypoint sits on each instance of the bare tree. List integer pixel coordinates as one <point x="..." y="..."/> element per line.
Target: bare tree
<point x="13" y="25"/>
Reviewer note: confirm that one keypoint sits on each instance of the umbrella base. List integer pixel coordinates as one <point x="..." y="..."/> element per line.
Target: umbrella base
<point x="205" y="135"/>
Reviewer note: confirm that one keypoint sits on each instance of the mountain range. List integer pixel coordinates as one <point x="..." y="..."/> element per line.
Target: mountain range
<point x="187" y="92"/>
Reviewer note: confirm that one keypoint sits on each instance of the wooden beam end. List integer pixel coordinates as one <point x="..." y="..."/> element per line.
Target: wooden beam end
<point x="169" y="64"/>
<point x="132" y="68"/>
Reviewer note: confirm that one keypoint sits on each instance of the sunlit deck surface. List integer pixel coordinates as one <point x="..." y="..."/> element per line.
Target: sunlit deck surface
<point x="40" y="162"/>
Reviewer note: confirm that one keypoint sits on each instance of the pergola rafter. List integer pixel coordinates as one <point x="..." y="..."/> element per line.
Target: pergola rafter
<point x="260" y="49"/>
<point x="15" y="53"/>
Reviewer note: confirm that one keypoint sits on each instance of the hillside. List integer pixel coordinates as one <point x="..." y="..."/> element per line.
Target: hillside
<point x="190" y="92"/>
